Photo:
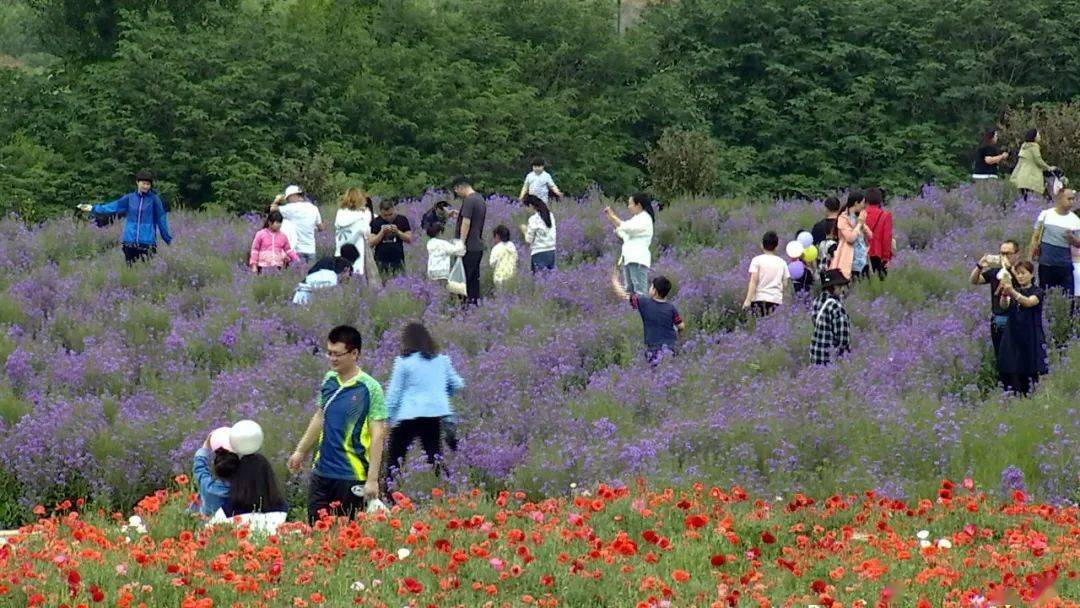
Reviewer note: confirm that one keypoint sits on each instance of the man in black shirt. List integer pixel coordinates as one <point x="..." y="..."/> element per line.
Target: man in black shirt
<point x="470" y="228"/>
<point x="389" y="232"/>
<point x="988" y="158"/>
<point x="987" y="272"/>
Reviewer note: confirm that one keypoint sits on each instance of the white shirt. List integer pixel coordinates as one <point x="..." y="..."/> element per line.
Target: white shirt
<point x="539" y="237"/>
<point x="772" y="273"/>
<point x="636" y="234"/>
<point x="439" y="252"/>
<point x="538" y="184"/>
<point x="300" y="219"/>
<point x="320" y="279"/>
<point x="503" y="259"/>
<point x="352" y="226"/>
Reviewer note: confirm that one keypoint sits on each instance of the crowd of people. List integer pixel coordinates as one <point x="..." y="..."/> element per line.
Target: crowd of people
<point x="360" y="434"/>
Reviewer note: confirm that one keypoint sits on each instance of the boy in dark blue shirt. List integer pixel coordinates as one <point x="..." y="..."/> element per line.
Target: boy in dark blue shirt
<point x="659" y="317"/>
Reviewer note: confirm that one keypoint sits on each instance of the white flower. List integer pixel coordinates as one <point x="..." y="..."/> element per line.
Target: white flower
<point x="357" y="586"/>
<point x="925" y="544"/>
<point x="573" y="485"/>
<point x="402" y="553"/>
<point x="944" y="543"/>
<point x="922" y="534"/>
<point x="134" y="520"/>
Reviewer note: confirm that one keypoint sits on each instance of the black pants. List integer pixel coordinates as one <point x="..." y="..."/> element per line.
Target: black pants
<point x="762" y="309"/>
<point x="429" y="430"/>
<point x="1056" y="277"/>
<point x="471" y="261"/>
<point x="347" y="494"/>
<point x="137" y="253"/>
<point x="880" y="266"/>
<point x="996" y="331"/>
<point x="389" y="269"/>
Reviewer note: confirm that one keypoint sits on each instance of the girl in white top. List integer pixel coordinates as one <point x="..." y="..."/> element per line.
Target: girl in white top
<point x="540" y="234"/>
<point x="636" y="234"/>
<point x="439" y="253"/>
<point x="353" y="224"/>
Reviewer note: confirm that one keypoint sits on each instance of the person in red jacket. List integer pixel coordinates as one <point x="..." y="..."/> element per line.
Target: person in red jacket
<point x="879" y="222"/>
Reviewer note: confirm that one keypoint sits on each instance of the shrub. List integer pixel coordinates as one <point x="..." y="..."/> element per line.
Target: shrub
<point x="682" y="162"/>
<point x="1059" y="125"/>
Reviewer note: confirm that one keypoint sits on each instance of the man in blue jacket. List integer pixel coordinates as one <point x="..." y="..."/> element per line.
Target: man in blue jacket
<point x="145" y="214"/>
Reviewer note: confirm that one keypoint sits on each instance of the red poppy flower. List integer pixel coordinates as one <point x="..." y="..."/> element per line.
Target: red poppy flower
<point x="412" y="585"/>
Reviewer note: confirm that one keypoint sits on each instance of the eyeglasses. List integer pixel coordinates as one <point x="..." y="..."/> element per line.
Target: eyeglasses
<point x="333" y="355"/>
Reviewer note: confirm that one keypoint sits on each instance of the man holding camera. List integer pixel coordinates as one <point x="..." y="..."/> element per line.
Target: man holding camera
<point x="992" y="269"/>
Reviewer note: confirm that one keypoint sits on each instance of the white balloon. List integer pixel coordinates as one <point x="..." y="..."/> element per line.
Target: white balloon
<point x="805" y="239"/>
<point x="794" y="250"/>
<point x="246" y="437"/>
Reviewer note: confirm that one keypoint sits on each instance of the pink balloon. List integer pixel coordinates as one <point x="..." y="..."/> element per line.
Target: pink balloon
<point x="220" y="439"/>
<point x="796" y="269"/>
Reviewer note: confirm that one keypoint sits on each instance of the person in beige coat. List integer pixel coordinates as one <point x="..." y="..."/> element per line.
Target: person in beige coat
<point x="1028" y="174"/>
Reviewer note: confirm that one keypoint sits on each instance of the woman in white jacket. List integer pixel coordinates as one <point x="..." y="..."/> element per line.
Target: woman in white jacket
<point x="636" y="234"/>
<point x="353" y="224"/>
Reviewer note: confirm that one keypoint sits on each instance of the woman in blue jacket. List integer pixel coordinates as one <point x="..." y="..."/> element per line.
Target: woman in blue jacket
<point x="145" y="214"/>
<point x="419" y="396"/>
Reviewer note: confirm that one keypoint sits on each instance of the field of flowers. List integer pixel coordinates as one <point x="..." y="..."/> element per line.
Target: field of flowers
<point x="112" y="375"/>
<point x="618" y="547"/>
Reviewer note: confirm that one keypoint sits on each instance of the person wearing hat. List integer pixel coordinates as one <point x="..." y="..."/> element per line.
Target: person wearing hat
<point x="302" y="220"/>
<point x="146" y="217"/>
<point x="832" y="325"/>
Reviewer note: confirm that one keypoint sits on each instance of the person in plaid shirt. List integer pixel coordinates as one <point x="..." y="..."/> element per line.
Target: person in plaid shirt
<point x="832" y="326"/>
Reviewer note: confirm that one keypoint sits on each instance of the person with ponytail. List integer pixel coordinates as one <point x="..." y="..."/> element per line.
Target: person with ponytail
<point x="636" y="234"/>
<point x="540" y="233"/>
<point x="271" y="247"/>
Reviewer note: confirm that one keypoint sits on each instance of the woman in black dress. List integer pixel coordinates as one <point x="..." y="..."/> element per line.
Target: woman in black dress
<point x="1022" y="355"/>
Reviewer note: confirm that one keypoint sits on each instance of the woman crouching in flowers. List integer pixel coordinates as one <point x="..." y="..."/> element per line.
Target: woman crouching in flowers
<point x="1022" y="354"/>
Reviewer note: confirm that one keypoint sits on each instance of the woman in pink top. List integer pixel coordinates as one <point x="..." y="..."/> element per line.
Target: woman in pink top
<point x="848" y="233"/>
<point x="271" y="248"/>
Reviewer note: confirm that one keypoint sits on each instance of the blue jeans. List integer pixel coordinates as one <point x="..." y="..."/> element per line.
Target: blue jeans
<point x="636" y="278"/>
<point x="545" y="260"/>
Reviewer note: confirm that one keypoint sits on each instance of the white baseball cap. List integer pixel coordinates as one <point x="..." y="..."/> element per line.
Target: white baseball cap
<point x="291" y="190"/>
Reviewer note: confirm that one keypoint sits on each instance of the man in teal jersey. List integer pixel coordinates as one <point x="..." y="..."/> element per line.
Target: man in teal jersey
<point x="350" y="429"/>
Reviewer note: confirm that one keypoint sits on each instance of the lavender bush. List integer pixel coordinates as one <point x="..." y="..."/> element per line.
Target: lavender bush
<point x="112" y="376"/>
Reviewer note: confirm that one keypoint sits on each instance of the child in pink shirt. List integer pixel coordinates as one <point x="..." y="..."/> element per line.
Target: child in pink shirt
<point x="271" y="248"/>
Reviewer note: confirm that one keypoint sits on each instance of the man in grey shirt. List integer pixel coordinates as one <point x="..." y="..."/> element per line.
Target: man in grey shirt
<point x="470" y="229"/>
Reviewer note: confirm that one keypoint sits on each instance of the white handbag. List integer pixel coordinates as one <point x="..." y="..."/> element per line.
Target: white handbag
<point x="455" y="283"/>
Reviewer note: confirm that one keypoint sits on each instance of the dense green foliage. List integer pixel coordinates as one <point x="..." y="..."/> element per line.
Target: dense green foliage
<point x="228" y="99"/>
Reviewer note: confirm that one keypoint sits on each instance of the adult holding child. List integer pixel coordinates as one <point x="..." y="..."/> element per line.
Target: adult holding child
<point x="146" y="218"/>
<point x="540" y="234"/>
<point x="636" y="235"/>
<point x="349" y="428"/>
